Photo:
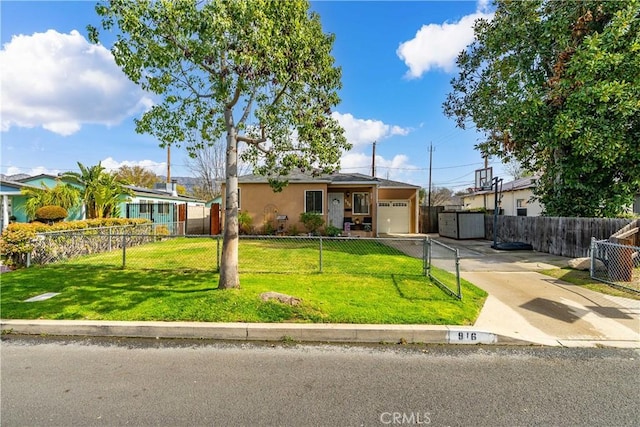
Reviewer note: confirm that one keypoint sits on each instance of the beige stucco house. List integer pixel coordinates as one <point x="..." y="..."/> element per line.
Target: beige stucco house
<point x="517" y="199"/>
<point x="355" y="203"/>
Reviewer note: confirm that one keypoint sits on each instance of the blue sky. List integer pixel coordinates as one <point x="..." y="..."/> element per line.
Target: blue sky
<point x="63" y="100"/>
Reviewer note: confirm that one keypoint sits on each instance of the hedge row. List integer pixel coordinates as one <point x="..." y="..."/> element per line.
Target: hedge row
<point x="17" y="239"/>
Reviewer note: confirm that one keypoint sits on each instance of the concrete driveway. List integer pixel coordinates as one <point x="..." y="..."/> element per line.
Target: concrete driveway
<point x="528" y="305"/>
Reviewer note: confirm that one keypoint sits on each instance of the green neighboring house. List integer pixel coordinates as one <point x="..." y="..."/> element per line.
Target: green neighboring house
<point x="12" y="202"/>
<point x="50" y="181"/>
<point x="159" y="204"/>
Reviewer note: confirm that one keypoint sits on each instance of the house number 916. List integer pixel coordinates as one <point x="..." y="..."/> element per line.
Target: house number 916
<point x="467" y="336"/>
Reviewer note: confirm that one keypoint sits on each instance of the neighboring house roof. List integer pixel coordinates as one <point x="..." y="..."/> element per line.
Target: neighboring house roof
<point x="36" y="177"/>
<point x="518" y="184"/>
<point x="334" y="178"/>
<point x="148" y="192"/>
<point x="13" y="188"/>
<point x="215" y="200"/>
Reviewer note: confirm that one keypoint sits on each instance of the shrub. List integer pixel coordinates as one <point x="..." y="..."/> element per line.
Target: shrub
<point x="245" y="223"/>
<point x="312" y="221"/>
<point x="17" y="239"/>
<point x="293" y="231"/>
<point x="269" y="229"/>
<point x="332" y="231"/>
<point x="51" y="214"/>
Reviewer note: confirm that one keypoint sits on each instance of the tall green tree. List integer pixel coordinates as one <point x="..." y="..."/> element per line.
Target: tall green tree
<point x="138" y="176"/>
<point x="259" y="72"/>
<point x="556" y="85"/>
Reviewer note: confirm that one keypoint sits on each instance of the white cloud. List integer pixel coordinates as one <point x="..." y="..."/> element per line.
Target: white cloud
<point x="398" y="168"/>
<point x="438" y="45"/>
<point x="39" y="170"/>
<point x="61" y="81"/>
<point x="361" y="132"/>
<point x="158" y="168"/>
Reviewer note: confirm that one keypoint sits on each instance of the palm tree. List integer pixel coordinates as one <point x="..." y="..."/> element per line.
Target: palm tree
<point x="102" y="190"/>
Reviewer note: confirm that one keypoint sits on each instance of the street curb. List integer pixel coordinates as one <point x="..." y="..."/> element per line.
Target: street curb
<point x="302" y="332"/>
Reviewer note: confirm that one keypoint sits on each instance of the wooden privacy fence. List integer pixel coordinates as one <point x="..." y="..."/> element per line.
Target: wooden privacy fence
<point x="429" y="218"/>
<point x="201" y="219"/>
<point x="569" y="237"/>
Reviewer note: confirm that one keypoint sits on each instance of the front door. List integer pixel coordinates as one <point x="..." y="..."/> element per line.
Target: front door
<point x="336" y="209"/>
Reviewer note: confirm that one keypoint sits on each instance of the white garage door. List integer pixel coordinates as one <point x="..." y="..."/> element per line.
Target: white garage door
<point x="394" y="216"/>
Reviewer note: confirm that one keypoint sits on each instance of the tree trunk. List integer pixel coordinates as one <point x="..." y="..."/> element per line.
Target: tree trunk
<point x="229" y="277"/>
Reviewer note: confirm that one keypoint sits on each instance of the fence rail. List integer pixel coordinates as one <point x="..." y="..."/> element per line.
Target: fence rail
<point x="311" y="255"/>
<point x="615" y="264"/>
<point x="55" y="246"/>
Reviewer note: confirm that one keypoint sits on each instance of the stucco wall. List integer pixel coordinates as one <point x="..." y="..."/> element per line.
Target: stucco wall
<point x="261" y="203"/>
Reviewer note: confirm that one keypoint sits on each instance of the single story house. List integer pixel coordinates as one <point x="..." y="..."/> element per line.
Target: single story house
<point x="158" y="205"/>
<point x="50" y="181"/>
<point x="517" y="199"/>
<point x="355" y="203"/>
<point x="12" y="200"/>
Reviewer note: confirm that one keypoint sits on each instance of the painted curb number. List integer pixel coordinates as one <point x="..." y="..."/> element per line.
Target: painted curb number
<point x="471" y="337"/>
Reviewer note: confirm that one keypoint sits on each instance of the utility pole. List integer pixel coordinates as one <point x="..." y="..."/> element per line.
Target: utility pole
<point x="430" y="163"/>
<point x="168" y="164"/>
<point x="373" y="161"/>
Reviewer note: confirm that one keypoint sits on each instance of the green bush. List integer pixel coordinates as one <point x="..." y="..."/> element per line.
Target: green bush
<point x="17" y="239"/>
<point x="245" y="223"/>
<point x="293" y="231"/>
<point x="312" y="221"/>
<point x="51" y="214"/>
<point x="268" y="229"/>
<point x="332" y="231"/>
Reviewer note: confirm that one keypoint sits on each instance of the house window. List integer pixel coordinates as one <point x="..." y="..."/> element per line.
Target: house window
<point x="144" y="206"/>
<point x="361" y="203"/>
<point x="520" y="203"/>
<point x="313" y="201"/>
<point x="238" y="198"/>
<point x="163" y="208"/>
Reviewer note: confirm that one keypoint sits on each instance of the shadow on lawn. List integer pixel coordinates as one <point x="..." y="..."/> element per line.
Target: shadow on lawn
<point x="418" y="288"/>
<point x="103" y="290"/>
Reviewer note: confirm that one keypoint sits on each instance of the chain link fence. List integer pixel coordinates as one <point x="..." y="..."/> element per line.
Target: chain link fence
<point x="158" y="250"/>
<point x="615" y="264"/>
<point x="445" y="259"/>
<point x="63" y="245"/>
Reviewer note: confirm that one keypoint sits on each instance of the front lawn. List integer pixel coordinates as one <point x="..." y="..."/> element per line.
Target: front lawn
<point x="583" y="278"/>
<point x="174" y="280"/>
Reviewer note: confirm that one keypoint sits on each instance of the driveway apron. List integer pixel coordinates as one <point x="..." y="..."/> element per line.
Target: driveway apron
<point x="528" y="305"/>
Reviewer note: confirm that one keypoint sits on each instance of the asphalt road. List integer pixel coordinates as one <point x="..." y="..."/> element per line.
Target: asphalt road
<point x="90" y="382"/>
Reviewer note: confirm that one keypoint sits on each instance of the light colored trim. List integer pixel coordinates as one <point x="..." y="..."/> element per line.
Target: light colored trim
<point x="322" y="201"/>
<point x="5" y="211"/>
<point x="353" y="204"/>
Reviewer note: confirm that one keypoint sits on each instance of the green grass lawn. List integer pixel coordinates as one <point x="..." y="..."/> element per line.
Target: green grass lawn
<point x="582" y="278"/>
<point x="361" y="282"/>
